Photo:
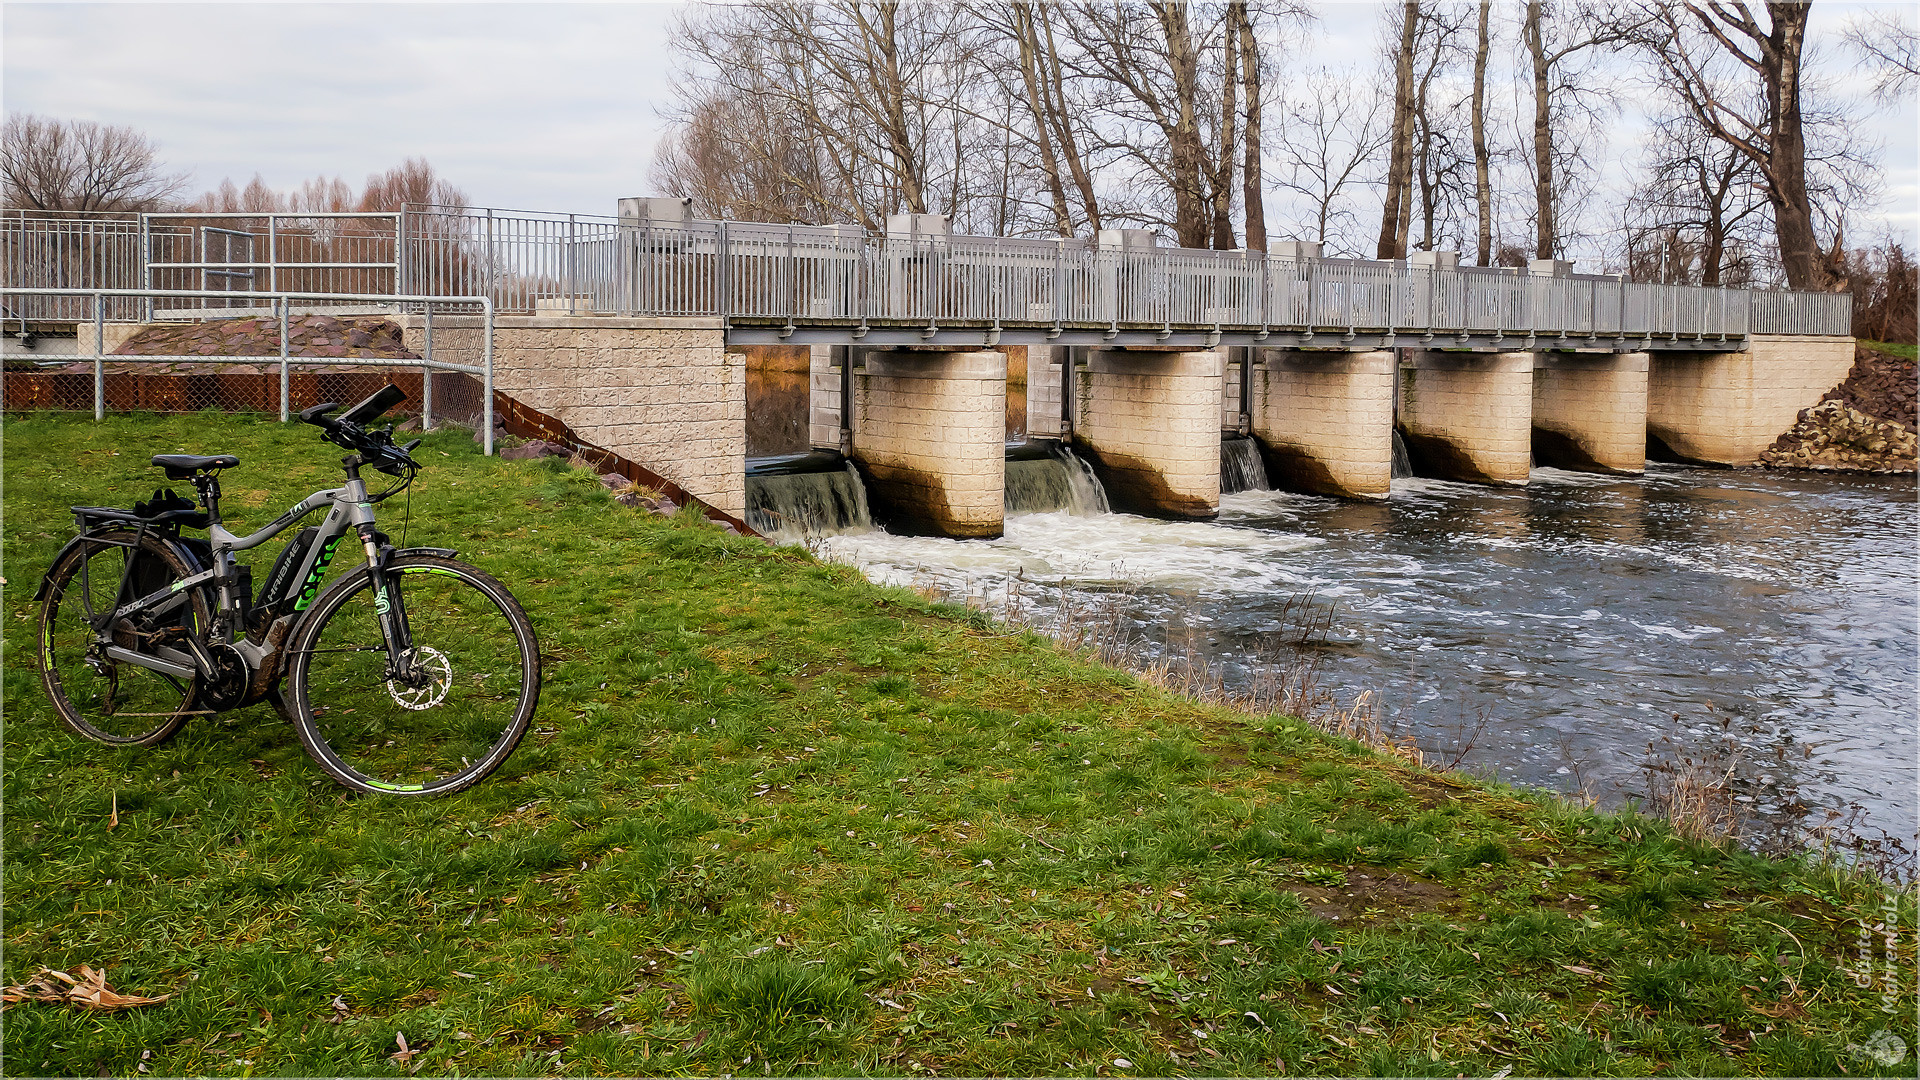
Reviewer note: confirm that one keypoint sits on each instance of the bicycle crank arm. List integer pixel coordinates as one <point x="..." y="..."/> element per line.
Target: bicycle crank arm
<point x="155" y="663"/>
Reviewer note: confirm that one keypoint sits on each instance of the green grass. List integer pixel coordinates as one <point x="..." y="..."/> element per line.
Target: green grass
<point x="774" y="819"/>
<point x="1894" y="348"/>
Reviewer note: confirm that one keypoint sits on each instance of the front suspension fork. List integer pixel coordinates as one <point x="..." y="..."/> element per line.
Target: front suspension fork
<point x="389" y="605"/>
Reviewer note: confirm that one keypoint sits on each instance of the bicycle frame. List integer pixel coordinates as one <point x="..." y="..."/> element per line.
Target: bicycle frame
<point x="351" y="509"/>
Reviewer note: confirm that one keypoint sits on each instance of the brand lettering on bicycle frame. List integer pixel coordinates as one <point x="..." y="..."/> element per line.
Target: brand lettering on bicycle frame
<point x="310" y="588"/>
<point x="380" y="605"/>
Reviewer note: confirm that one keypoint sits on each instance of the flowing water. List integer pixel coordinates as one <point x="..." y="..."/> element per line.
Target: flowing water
<point x="1241" y="468"/>
<point x="1546" y="635"/>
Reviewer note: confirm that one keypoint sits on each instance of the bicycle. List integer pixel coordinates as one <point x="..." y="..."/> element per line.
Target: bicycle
<point x="413" y="674"/>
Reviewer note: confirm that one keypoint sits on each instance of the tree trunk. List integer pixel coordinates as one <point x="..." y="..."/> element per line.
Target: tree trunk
<point x="1253" y="197"/>
<point x="1054" y="91"/>
<point x="1221" y="178"/>
<point x="1393" y="236"/>
<point x="899" y="138"/>
<point x="1187" y="154"/>
<point x="1037" y="98"/>
<point x="1786" y="166"/>
<point x="1482" y="160"/>
<point x="1545" y="227"/>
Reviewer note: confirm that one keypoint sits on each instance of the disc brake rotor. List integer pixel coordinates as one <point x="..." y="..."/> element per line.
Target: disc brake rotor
<point x="436" y="678"/>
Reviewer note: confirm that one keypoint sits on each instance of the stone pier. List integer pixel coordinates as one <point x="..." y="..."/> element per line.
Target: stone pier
<point x="1724" y="408"/>
<point x="1590" y="411"/>
<point x="1044" y="420"/>
<point x="1324" y="420"/>
<point x="664" y="393"/>
<point x="929" y="436"/>
<point x="824" y="425"/>
<point x="1148" y="421"/>
<point x="1468" y="416"/>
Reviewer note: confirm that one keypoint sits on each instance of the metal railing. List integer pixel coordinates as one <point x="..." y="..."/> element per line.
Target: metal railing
<point x="825" y="274"/>
<point x="283" y="307"/>
<point x="800" y="274"/>
<point x="310" y="253"/>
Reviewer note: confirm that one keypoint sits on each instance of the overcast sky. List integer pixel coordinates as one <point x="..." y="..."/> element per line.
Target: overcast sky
<point x="524" y="106"/>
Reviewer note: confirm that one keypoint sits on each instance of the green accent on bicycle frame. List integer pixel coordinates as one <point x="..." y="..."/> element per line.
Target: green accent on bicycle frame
<point x="177" y="586"/>
<point x="380" y="604"/>
<point x="311" y="587"/>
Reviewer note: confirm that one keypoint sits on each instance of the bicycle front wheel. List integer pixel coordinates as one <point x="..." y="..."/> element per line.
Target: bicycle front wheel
<point x="453" y="709"/>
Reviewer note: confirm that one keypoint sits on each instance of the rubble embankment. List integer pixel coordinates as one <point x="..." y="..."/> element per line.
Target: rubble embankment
<point x="1866" y="424"/>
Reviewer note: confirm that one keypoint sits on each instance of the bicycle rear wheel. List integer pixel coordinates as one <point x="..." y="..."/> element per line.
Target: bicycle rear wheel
<point x="461" y="704"/>
<point x="111" y="701"/>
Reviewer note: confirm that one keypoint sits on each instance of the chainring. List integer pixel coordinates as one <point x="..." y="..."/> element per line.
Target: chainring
<point x="227" y="686"/>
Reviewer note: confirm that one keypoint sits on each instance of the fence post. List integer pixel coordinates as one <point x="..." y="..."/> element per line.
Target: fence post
<point x="146" y="268"/>
<point x="486" y="392"/>
<point x="99" y="350"/>
<point x="286" y="307"/>
<point x="572" y="253"/>
<point x="426" y="372"/>
<point x="273" y="259"/>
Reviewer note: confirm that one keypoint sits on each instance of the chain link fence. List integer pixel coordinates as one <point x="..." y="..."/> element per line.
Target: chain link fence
<point x="278" y="355"/>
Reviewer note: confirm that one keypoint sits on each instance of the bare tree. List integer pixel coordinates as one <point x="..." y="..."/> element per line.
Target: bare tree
<point x="1757" y="110"/>
<point x="1884" y="42"/>
<point x="50" y="164"/>
<point x="1332" y="130"/>
<point x="1699" y="216"/>
<point x="1253" y="188"/>
<point x="1554" y="40"/>
<point x="1482" y="157"/>
<point x="1394" y="211"/>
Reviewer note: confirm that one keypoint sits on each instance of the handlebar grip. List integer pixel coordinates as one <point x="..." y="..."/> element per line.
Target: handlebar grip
<point x="318" y="414"/>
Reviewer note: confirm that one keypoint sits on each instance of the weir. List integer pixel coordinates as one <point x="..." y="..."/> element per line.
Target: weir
<point x="1241" y="467"/>
<point x="796" y="496"/>
<point x="1044" y="476"/>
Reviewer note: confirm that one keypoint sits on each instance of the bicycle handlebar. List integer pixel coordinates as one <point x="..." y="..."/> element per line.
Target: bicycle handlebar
<point x="375" y="445"/>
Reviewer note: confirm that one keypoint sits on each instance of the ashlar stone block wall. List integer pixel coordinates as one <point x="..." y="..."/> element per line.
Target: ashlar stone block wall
<point x="1724" y="408"/>
<point x="1468" y="416"/>
<point x="1590" y="411"/>
<point x="823" y="397"/>
<point x="1149" y="424"/>
<point x="662" y="392"/>
<point x="929" y="436"/>
<point x="1325" y="421"/>
<point x="1043" y="390"/>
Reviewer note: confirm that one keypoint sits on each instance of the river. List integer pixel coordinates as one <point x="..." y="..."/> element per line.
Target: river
<point x="1562" y="635"/>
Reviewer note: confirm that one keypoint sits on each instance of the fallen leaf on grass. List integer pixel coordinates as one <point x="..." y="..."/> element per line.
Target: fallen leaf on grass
<point x="88" y="990"/>
<point x="1582" y="969"/>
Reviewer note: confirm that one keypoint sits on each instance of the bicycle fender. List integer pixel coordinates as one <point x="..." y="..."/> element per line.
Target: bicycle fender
<point x="187" y="555"/>
<point x="438" y="553"/>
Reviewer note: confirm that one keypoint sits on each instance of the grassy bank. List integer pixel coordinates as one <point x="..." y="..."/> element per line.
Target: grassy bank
<point x="776" y="820"/>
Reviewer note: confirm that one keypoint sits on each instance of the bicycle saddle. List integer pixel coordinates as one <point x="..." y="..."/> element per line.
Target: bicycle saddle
<point x="182" y="466"/>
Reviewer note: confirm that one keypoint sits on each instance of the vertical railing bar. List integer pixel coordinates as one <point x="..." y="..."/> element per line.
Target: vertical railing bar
<point x="486" y="396"/>
<point x="285" y="304"/>
<point x="426" y="371"/>
<point x="99" y="353"/>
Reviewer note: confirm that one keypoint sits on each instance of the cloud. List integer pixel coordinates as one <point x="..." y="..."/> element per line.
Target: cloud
<point x="540" y="106"/>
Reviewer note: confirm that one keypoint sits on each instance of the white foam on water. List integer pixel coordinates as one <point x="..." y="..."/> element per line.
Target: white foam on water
<point x="1090" y="549"/>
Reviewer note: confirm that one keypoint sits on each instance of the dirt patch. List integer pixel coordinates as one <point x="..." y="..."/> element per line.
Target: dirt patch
<point x="1375" y="894"/>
